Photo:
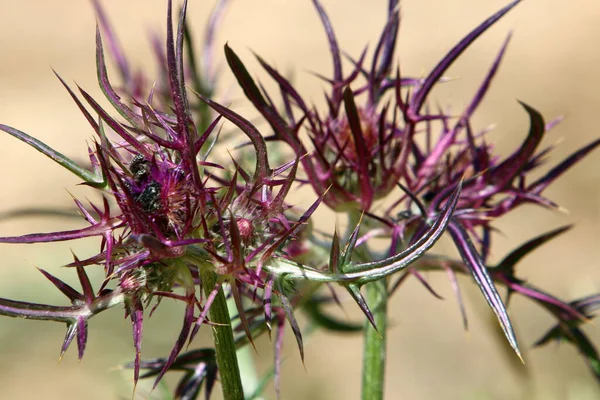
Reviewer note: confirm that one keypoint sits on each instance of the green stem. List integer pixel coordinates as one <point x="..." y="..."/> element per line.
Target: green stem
<point x="374" y="350"/>
<point x="227" y="362"/>
<point x="374" y="347"/>
<point x="245" y="358"/>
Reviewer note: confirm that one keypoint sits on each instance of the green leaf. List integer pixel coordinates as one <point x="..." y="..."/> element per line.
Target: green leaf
<point x="89" y="177"/>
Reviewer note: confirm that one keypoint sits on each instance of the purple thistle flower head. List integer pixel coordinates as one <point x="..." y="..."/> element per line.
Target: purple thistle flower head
<point x="174" y="223"/>
<point x="178" y="216"/>
<point x="355" y="158"/>
<point x="378" y="134"/>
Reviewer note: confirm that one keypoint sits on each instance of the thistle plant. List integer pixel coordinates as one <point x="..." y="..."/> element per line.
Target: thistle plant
<point x="222" y="236"/>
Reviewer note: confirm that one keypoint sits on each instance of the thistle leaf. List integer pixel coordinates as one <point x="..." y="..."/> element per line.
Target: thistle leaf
<point x="289" y="315"/>
<point x="577" y="338"/>
<point x="354" y="291"/>
<point x="509" y="262"/>
<point x="369" y="271"/>
<point x="334" y="254"/>
<point x="313" y="308"/>
<point x="346" y="256"/>
<point x="199" y="365"/>
<point x="484" y="281"/>
<point x="88" y="176"/>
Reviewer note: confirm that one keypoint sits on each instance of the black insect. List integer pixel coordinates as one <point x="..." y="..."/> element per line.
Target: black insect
<point x="149" y="199"/>
<point x="140" y="168"/>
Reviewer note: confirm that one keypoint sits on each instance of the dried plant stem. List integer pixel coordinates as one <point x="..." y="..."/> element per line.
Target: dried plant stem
<point x="227" y="362"/>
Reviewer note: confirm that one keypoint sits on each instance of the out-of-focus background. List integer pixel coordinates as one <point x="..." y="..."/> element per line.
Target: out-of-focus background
<point x="551" y="64"/>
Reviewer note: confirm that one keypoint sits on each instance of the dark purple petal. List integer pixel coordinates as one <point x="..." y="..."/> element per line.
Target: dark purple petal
<point x="118" y="128"/>
<point x="262" y="162"/>
<point x="268" y="303"/>
<point x="504" y="173"/>
<point x="362" y="153"/>
<point x="543" y="182"/>
<point x="336" y="98"/>
<point x="83" y="110"/>
<point x="82" y="334"/>
<point x="86" y="285"/>
<point x="202" y="140"/>
<point x="67" y="290"/>
<point x="115" y="49"/>
<point x="284" y="84"/>
<point x="96" y="230"/>
<point x="183" y="335"/>
<point x="199" y="365"/>
<point x="175" y="71"/>
<point x="385" y="48"/>
<point x="278" y="201"/>
<point x="434" y="76"/>
<point x="483" y="88"/>
<point x="252" y="92"/>
<point x="427" y="167"/>
<point x="424" y="282"/>
<point x="205" y="309"/>
<point x="108" y="90"/>
<point x="551" y="303"/>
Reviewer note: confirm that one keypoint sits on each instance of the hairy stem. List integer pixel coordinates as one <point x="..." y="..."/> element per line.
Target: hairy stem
<point x="227" y="362"/>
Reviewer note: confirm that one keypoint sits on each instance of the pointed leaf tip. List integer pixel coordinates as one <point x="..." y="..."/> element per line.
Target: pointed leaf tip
<point x="354" y="291"/>
<point x="483" y="280"/>
<point x="419" y="97"/>
<point x="81" y="172"/>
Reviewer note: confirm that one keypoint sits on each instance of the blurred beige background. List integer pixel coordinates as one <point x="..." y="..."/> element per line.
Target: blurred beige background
<point x="552" y="63"/>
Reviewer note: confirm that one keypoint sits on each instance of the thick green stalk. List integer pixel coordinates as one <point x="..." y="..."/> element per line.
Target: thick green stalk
<point x="374" y="350"/>
<point x="227" y="362"/>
